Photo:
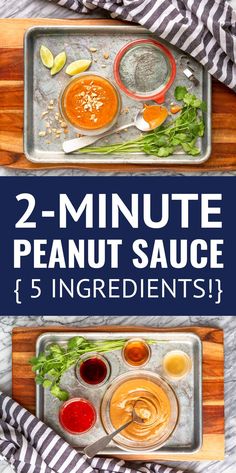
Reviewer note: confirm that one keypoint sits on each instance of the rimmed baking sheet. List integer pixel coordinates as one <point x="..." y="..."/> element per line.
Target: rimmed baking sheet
<point x="40" y="88"/>
<point x="187" y="437"/>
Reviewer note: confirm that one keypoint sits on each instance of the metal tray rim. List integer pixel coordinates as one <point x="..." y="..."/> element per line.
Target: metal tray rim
<point x="192" y="335"/>
<point x="186" y="160"/>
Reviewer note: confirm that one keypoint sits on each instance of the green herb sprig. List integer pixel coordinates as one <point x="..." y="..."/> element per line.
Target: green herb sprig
<point x="50" y="365"/>
<point x="181" y="132"/>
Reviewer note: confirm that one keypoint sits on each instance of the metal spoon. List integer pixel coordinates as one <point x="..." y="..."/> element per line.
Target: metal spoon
<point x="77" y="143"/>
<point x="101" y="443"/>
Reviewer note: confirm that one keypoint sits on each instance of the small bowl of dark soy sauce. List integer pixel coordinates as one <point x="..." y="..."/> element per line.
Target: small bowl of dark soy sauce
<point x="93" y="370"/>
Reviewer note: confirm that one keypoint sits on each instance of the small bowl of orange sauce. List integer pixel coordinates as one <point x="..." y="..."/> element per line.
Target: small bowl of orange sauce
<point x="90" y="103"/>
<point x="136" y="352"/>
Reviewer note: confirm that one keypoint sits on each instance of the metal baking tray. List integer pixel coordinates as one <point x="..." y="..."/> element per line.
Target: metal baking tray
<point x="187" y="438"/>
<point x="76" y="41"/>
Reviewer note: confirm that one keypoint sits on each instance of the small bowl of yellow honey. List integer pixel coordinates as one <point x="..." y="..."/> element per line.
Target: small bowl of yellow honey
<point x="177" y="364"/>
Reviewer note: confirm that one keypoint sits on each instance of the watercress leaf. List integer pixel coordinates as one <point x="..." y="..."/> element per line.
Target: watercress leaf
<point x="194" y="128"/>
<point x="56" y="349"/>
<point x="39" y="379"/>
<point x="53" y="373"/>
<point x="203" y="106"/>
<point x="181" y="136"/>
<point x="161" y="141"/>
<point x="191" y="115"/>
<point x="56" y="391"/>
<point x="190" y="99"/>
<point x="201" y="128"/>
<point x="175" y="141"/>
<point x="196" y="103"/>
<point x="41" y="358"/>
<point x="47" y="383"/>
<point x="190" y="148"/>
<point x="180" y="92"/>
<point x="163" y="152"/>
<point x="33" y="361"/>
<point x="194" y="151"/>
<point x="75" y="342"/>
<point x="186" y="147"/>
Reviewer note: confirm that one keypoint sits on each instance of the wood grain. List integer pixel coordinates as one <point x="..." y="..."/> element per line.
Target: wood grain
<point x="23" y="385"/>
<point x="223" y="156"/>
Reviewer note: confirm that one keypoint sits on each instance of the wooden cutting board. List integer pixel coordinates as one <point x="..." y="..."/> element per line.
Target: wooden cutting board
<point x="223" y="156"/>
<point x="23" y="385"/>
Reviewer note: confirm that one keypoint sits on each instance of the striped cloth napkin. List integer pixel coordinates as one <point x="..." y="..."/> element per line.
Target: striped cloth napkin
<point x="32" y="447"/>
<point x="206" y="29"/>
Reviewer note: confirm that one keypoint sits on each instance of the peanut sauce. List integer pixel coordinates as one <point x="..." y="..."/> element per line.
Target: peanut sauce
<point x="155" y="115"/>
<point x="90" y="102"/>
<point x="151" y="404"/>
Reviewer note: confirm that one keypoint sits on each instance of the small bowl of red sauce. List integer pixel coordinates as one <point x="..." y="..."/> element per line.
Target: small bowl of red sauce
<point x="93" y="370"/>
<point x="77" y="416"/>
<point x="136" y="352"/>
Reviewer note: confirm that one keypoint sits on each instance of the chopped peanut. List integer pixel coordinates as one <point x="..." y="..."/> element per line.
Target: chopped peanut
<point x="175" y="109"/>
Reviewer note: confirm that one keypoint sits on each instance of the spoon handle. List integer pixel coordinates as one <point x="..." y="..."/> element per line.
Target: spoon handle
<point x="101" y="443"/>
<point x="77" y="143"/>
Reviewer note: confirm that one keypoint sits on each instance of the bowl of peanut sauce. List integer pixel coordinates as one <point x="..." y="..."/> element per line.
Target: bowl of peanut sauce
<point x="155" y="403"/>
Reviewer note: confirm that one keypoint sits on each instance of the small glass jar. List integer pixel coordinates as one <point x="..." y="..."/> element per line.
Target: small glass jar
<point x="81" y="129"/>
<point x="136" y="352"/>
<point x="77" y="416"/>
<point x="177" y="364"/>
<point x="93" y="370"/>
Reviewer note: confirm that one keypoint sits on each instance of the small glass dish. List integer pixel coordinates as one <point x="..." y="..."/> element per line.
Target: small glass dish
<point x="136" y="352"/>
<point x="93" y="370"/>
<point x="64" y="94"/>
<point x="77" y="416"/>
<point x="176" y="364"/>
<point x="138" y="379"/>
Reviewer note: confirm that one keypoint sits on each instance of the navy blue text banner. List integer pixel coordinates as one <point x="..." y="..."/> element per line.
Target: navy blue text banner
<point x="117" y="246"/>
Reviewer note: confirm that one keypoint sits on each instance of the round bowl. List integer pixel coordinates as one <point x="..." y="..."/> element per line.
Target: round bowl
<point x="87" y="357"/>
<point x="185" y="369"/>
<point x="136" y="364"/>
<point x="80" y="129"/>
<point x="82" y="415"/>
<point x="147" y="440"/>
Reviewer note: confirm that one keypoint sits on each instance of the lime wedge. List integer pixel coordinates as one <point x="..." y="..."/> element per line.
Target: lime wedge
<point x="78" y="66"/>
<point x="59" y="63"/>
<point x="46" y="57"/>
